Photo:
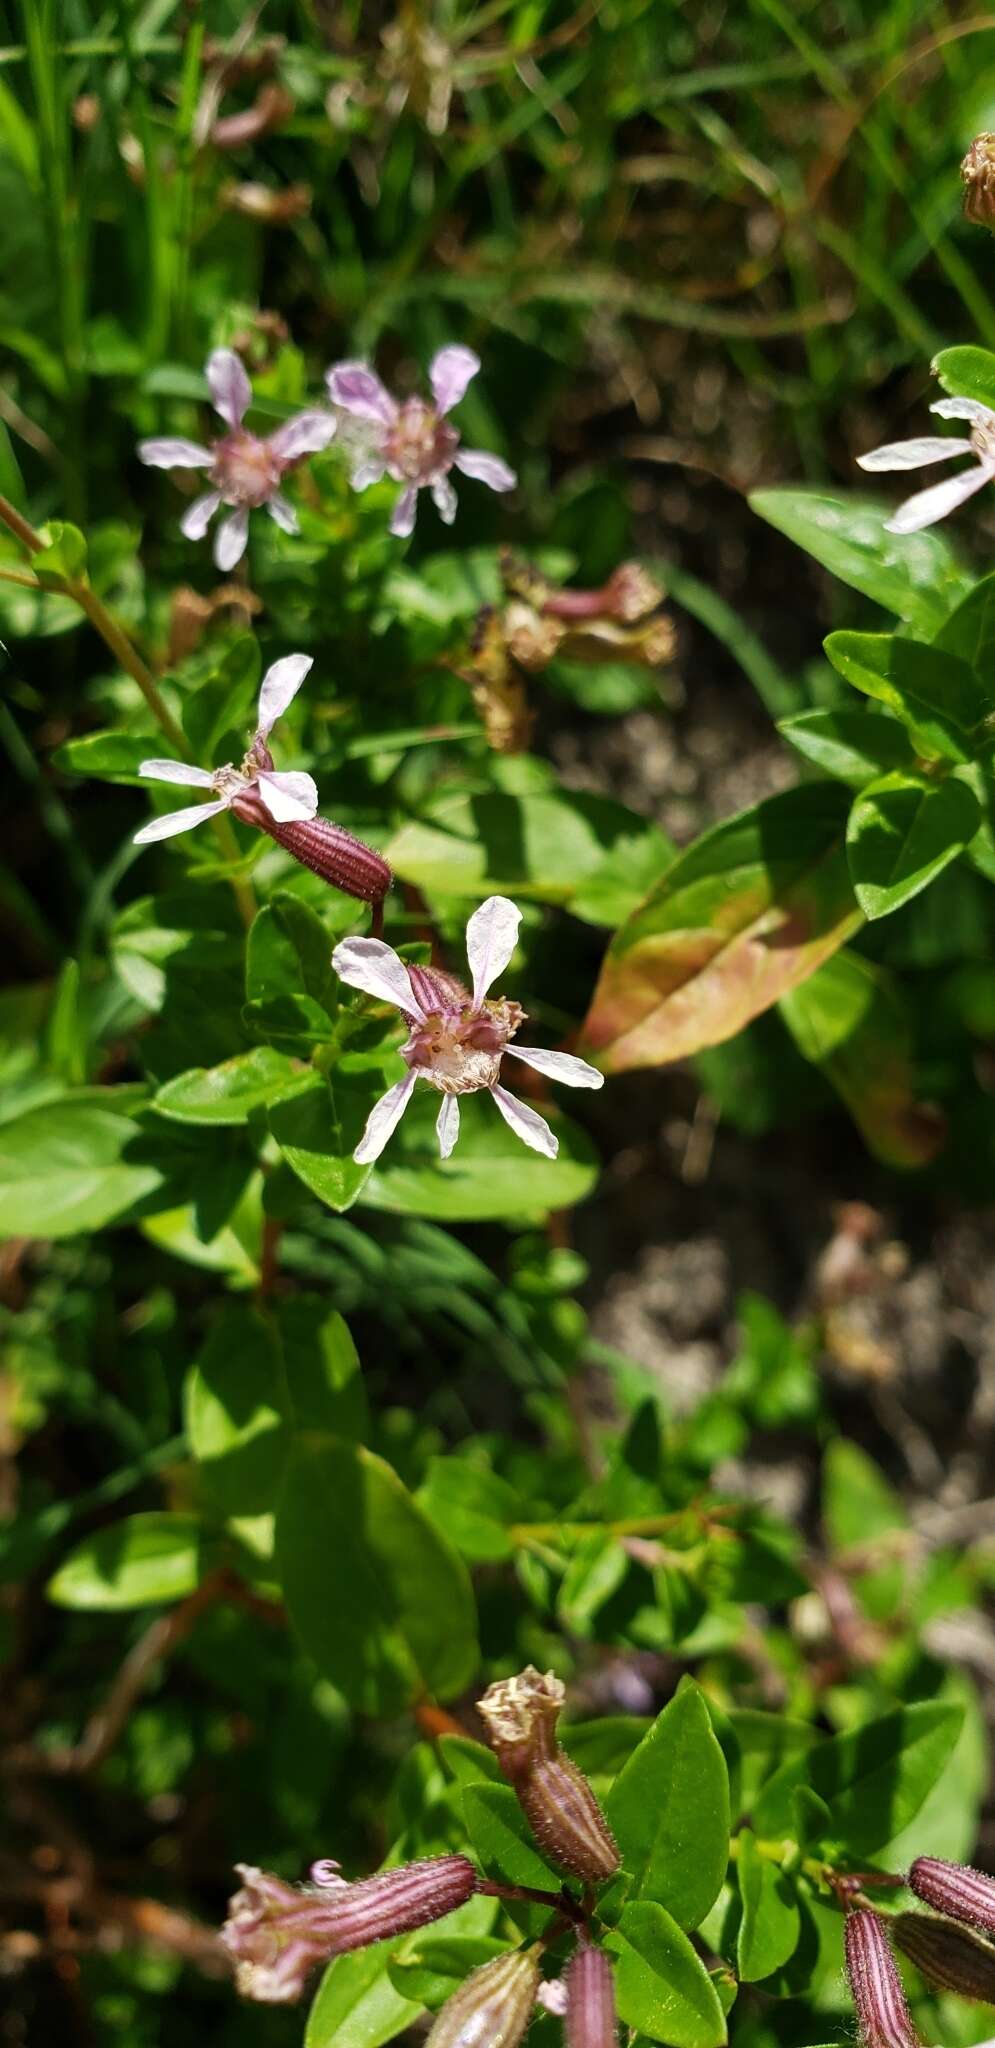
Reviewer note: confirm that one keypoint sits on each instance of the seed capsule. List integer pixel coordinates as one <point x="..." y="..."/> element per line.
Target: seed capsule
<point x="882" y="2014"/>
<point x="948" y="1956"/>
<point x="590" y="2019"/>
<point x="492" y="2008"/>
<point x="520" y="1715"/>
<point x="276" y="1935"/>
<point x="954" y="1889"/>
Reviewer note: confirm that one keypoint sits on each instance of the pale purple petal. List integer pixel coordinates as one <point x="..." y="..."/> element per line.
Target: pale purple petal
<point x="282" y="513"/>
<point x="926" y="507"/>
<point x="368" y="470"/>
<point x="230" y="539"/>
<point x="913" y="454"/>
<point x="450" y="372"/>
<point x="176" y="771"/>
<point x="174" y="454"/>
<point x="279" y="687"/>
<point x="560" y="1066"/>
<point x="179" y="821"/>
<point x="445" y="499"/>
<point x="375" y="968"/>
<point x="383" y="1119"/>
<point x="402" y="519"/>
<point x="491" y="938"/>
<point x="487" y="469"/>
<point x="447" y="1125"/>
<point x="197" y="517"/>
<point x="526" y="1123"/>
<point x="306" y="434"/>
<point x="964" y="409"/>
<point x="287" y="795"/>
<point x="357" y="389"/>
<point x="230" y="389"/>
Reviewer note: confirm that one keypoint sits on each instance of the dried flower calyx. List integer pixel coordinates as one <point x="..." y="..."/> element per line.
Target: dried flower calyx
<point x="492" y="2007"/>
<point x="978" y="176"/>
<point x="950" y="1957"/>
<point x="520" y="1715"/>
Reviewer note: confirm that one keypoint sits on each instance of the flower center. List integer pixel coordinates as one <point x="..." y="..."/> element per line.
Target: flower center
<point x="245" y="469"/>
<point x="458" y="1053"/>
<point x="419" y="446"/>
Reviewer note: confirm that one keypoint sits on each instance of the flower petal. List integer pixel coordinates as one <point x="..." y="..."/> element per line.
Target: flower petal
<point x="375" y="968"/>
<point x="488" y="469"/>
<point x="357" y="389"/>
<point x="306" y="434"/>
<point x="560" y="1066"/>
<point x="176" y="771"/>
<point x="913" y="454"/>
<point x="447" y="1125"/>
<point x="926" y="507"/>
<point x="174" y="454"/>
<point x="964" y="409"/>
<point x="279" y="687"/>
<point x="383" y="1119"/>
<point x="287" y="795"/>
<point x="282" y="513"/>
<point x="368" y="470"/>
<point x="445" y="499"/>
<point x="526" y="1123"/>
<point x="491" y="938"/>
<point x="231" y="391"/>
<point x="231" y="536"/>
<point x="197" y="517"/>
<point x="450" y="372"/>
<point x="402" y="519"/>
<point x="179" y="821"/>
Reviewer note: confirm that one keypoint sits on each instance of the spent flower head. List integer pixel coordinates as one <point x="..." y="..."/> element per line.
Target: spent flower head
<point x="978" y="177"/>
<point x="924" y="508"/>
<point x="457" y="1037"/>
<point x="245" y="470"/>
<point x="413" y="441"/>
<point x="282" y="796"/>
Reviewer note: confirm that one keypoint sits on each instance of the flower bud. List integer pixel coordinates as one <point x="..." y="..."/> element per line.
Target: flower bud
<point x="948" y="1956"/>
<point x="590" y="2001"/>
<point x="882" y="2014"/>
<point x="327" y="849"/>
<point x="978" y="174"/>
<point x="520" y="1715"/>
<point x="276" y="1934"/>
<point x="954" y="1889"/>
<point x="492" y="2007"/>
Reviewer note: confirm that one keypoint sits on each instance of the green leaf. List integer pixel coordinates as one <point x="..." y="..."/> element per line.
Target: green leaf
<point x="969" y="632"/>
<point x="380" y="1601"/>
<point x="874" y="1778"/>
<point x="223" y="704"/>
<point x="594" y="1572"/>
<point x="858" y="1504"/>
<point x="852" y="746"/>
<point x="236" y="1413"/>
<point x="472" y="1506"/>
<point x="966" y="372"/>
<point x="114" y="756"/>
<point x="764" y="1741"/>
<point x="661" y="1983"/>
<point x="429" y="1967"/>
<point x="321" y="1368"/>
<point x="935" y="694"/>
<point x="229" y="1093"/>
<point x="850" y="1020"/>
<point x="746" y="913"/>
<point x="491" y="1175"/>
<point x="915" y="575"/>
<point x="902" y="832"/>
<point x="64" y="553"/>
<point x="143" y="1561"/>
<point x="288" y="950"/>
<point x="64" y="1166"/>
<point x="357" y="2005"/>
<point x="669" y="1808"/>
<point x="318" y="1129"/>
<point x="771" y="1923"/>
<point x="501" y="1838"/>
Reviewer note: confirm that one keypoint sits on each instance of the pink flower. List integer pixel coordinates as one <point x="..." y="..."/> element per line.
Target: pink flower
<point x="245" y="470"/>
<point x="414" y="442"/>
<point x="457" y="1040"/>
<point x="283" y="797"/>
<point x="924" y="508"/>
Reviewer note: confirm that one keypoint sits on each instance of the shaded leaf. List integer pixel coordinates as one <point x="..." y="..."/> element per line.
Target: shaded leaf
<point x="143" y="1561"/>
<point x="935" y="694"/>
<point x="849" y="1019"/>
<point x="669" y="1808"/>
<point x="852" y="746"/>
<point x="874" y="1778"/>
<point x="228" y="1094"/>
<point x="771" y="1923"/>
<point x="661" y="1983"/>
<point x="902" y="832"/>
<point x="915" y="575"/>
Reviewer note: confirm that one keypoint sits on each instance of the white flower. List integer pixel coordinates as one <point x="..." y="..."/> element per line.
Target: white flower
<point x="245" y="469"/>
<point x="414" y="443"/>
<point x="457" y="1039"/>
<point x="284" y="797"/>
<point x="926" y="507"/>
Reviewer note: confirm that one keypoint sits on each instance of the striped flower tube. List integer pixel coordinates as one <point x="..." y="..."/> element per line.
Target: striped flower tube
<point x="276" y="1934"/>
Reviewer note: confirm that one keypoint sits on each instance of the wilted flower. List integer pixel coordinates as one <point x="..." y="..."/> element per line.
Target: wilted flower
<point x="950" y="1957"/>
<point x="978" y="174"/>
<point x="590" y="2001"/>
<point x="882" y="2014"/>
<point x="457" y="1039"/>
<point x="414" y="442"/>
<point x="956" y="1889"/>
<point x="493" y="2005"/>
<point x="520" y="1715"/>
<point x="245" y="470"/>
<point x="926" y="507"/>
<point x="276" y="1934"/>
<point x="284" y="796"/>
